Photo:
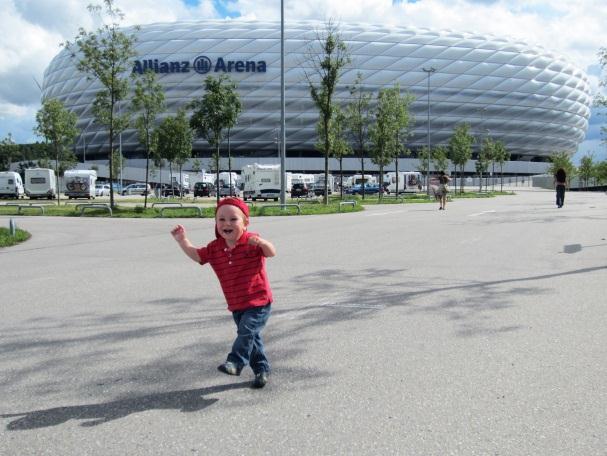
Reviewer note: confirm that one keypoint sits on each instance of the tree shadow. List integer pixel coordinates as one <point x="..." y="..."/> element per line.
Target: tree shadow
<point x="192" y="400"/>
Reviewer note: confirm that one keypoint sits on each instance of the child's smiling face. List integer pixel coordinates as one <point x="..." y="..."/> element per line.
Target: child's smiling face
<point x="231" y="223"/>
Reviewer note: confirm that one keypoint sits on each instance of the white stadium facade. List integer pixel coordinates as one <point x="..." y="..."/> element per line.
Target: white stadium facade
<point x="533" y="100"/>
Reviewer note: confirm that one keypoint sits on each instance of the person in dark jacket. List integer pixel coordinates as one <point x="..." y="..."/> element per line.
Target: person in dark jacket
<point x="560" y="182"/>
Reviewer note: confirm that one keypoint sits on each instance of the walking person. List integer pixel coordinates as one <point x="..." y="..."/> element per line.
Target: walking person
<point x="238" y="258"/>
<point x="560" y="183"/>
<point x="443" y="189"/>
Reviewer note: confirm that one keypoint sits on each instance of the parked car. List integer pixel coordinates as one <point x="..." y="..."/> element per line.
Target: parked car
<point x="137" y="189"/>
<point x="173" y="190"/>
<point x="357" y="189"/>
<point x="224" y="190"/>
<point x="204" y="189"/>
<point x="102" y="189"/>
<point x="319" y="189"/>
<point x="301" y="190"/>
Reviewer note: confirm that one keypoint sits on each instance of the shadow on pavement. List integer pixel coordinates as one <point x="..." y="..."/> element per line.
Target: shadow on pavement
<point x="186" y="401"/>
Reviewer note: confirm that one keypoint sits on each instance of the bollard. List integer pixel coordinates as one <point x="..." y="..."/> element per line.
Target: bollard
<point x="12" y="226"/>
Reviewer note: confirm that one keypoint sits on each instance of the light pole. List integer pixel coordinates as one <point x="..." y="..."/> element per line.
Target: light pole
<point x="283" y="172"/>
<point x="429" y="71"/>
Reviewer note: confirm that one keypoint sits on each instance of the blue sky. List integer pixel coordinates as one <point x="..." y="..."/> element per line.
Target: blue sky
<point x="32" y="31"/>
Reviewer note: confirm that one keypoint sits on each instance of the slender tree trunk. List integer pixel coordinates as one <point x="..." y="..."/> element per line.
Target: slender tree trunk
<point x="217" y="169"/>
<point x="147" y="167"/>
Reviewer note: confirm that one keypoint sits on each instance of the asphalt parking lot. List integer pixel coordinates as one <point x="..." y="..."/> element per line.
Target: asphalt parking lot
<point x="398" y="330"/>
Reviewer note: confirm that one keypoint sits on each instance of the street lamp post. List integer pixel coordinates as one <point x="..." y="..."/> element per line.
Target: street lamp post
<point x="283" y="172"/>
<point x="429" y="71"/>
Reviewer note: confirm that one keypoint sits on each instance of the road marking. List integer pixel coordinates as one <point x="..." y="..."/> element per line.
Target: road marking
<point x="358" y="306"/>
<point x="481" y="213"/>
<point x="383" y="213"/>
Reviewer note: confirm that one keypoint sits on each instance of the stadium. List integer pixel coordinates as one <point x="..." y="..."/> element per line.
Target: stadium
<point x="533" y="100"/>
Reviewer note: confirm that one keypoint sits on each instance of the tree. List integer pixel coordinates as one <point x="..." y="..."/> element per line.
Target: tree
<point x="586" y="170"/>
<point x="562" y="160"/>
<point x="482" y="163"/>
<point x="384" y="132"/>
<point x="403" y="120"/>
<point x="327" y="57"/>
<point x="58" y="126"/>
<point x="341" y="148"/>
<point x="105" y="55"/>
<point x="440" y="158"/>
<point x="357" y="119"/>
<point x="8" y="150"/>
<point x="215" y="112"/>
<point x="485" y="156"/>
<point x="500" y="156"/>
<point x="460" y="146"/>
<point x="149" y="101"/>
<point x="423" y="158"/>
<point x="173" y="139"/>
<point x="116" y="165"/>
<point x="601" y="172"/>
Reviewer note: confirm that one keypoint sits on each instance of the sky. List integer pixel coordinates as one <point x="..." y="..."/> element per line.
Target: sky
<point x="33" y="30"/>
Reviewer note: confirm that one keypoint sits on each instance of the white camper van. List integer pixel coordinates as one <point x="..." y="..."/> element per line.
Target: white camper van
<point x="263" y="182"/>
<point x="80" y="183"/>
<point x="358" y="179"/>
<point x="11" y="185"/>
<point x="40" y="183"/>
<point x="408" y="181"/>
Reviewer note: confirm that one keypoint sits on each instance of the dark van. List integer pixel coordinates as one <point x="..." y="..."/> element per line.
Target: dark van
<point x="204" y="189"/>
<point x="300" y="190"/>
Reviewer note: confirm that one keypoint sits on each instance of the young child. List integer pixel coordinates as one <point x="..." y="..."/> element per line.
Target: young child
<point x="238" y="258"/>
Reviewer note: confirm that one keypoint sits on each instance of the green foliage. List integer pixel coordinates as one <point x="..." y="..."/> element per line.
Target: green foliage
<point x="460" y="148"/>
<point x="58" y="126"/>
<point x="6" y="240"/>
<point x="327" y="56"/>
<point x="561" y="160"/>
<point x="8" y="151"/>
<point x="216" y="112"/>
<point x="105" y="55"/>
<point x="440" y="158"/>
<point x="391" y="127"/>
<point x="358" y="118"/>
<point x="586" y="170"/>
<point x="173" y="139"/>
<point x="149" y="101"/>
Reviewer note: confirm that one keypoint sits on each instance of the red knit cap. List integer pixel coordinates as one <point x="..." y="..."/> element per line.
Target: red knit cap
<point x="240" y="204"/>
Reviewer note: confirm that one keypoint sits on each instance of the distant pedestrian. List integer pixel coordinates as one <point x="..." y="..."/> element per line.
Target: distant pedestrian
<point x="560" y="183"/>
<point x="239" y="260"/>
<point x="443" y="189"/>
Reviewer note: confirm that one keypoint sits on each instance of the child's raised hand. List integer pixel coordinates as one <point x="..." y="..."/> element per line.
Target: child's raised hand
<point x="178" y="233"/>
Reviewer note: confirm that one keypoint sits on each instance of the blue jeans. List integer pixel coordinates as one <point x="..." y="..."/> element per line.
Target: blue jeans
<point x="248" y="347"/>
<point x="560" y="195"/>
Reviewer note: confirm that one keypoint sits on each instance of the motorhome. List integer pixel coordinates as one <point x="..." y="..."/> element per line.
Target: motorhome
<point x="11" y="185"/>
<point x="80" y="183"/>
<point x="408" y="181"/>
<point x="358" y="179"/>
<point x="299" y="178"/>
<point x="181" y="180"/>
<point x="40" y="183"/>
<point x="227" y="178"/>
<point x="319" y="184"/>
<point x="263" y="182"/>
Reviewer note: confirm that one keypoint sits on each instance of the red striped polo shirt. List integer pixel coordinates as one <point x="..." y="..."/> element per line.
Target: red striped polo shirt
<point x="241" y="272"/>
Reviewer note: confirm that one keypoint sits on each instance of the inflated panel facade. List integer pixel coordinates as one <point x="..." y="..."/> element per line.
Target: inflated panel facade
<point x="535" y="101"/>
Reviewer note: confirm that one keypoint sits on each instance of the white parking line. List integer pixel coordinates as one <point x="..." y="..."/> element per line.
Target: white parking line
<point x="481" y="213"/>
<point x="383" y="213"/>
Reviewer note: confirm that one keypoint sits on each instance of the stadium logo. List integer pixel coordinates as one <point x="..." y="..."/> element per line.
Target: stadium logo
<point x="201" y="65"/>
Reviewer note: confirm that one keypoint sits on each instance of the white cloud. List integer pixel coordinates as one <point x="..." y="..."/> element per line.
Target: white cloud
<point x="33" y="29"/>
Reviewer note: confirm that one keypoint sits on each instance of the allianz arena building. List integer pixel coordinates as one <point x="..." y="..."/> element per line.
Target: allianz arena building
<point x="533" y="100"/>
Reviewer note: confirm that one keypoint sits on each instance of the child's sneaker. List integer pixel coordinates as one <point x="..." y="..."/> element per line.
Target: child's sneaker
<point x="260" y="380"/>
<point x="229" y="368"/>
